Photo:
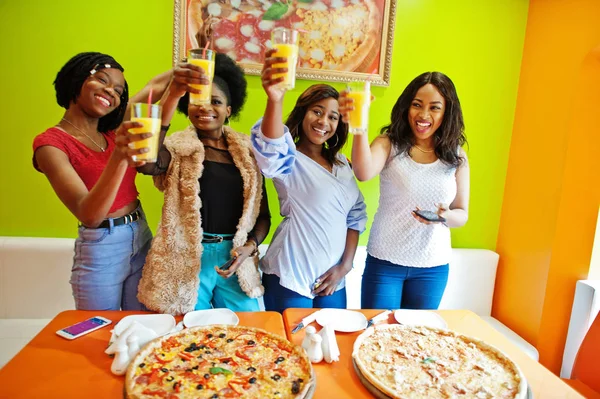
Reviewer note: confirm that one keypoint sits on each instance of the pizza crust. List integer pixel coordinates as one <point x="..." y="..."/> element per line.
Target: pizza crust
<point x="378" y="383"/>
<point x="152" y="346"/>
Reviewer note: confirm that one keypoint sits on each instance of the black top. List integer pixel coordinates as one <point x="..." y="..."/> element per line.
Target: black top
<point x="222" y="196"/>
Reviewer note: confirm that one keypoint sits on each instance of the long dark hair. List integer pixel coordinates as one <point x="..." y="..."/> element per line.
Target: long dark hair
<point x="71" y="76"/>
<point x="451" y="133"/>
<point x="310" y="96"/>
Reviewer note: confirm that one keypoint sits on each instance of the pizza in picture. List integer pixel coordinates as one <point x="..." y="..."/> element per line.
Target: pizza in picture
<point x="220" y="362"/>
<point x="422" y="362"/>
<point x="341" y="35"/>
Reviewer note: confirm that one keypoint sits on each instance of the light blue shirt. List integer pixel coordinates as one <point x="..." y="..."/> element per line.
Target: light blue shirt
<point x="318" y="209"/>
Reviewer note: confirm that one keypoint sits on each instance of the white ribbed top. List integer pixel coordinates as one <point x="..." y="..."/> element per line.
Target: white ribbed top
<point x="395" y="235"/>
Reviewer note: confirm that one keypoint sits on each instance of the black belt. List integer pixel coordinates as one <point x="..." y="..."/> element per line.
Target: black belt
<point x="216" y="238"/>
<point x="132" y="217"/>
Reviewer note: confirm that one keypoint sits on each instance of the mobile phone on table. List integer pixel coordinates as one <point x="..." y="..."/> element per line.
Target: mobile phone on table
<point x="429" y="216"/>
<point x="228" y="264"/>
<point x="83" y="327"/>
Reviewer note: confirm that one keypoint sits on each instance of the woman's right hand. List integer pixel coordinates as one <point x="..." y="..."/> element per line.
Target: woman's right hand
<point x="125" y="140"/>
<point x="274" y="93"/>
<point x="184" y="75"/>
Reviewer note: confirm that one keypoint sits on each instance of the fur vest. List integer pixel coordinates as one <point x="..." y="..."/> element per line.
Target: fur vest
<point x="170" y="278"/>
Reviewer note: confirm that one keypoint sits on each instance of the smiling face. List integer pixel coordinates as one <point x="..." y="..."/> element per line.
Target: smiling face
<point x="426" y="112"/>
<point x="101" y="93"/>
<point x="321" y="121"/>
<point x="210" y="117"/>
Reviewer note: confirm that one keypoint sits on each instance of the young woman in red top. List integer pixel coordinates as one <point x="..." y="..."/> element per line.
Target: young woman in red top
<point x="85" y="158"/>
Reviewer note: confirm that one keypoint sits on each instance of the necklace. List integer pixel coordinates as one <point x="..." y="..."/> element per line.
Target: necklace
<point x="422" y="150"/>
<point x="86" y="135"/>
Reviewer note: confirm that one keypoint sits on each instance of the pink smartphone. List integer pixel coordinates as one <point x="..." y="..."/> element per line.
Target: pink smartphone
<point x="83" y="327"/>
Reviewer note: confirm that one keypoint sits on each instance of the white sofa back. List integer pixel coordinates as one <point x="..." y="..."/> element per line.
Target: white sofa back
<point x="34" y="278"/>
<point x="470" y="286"/>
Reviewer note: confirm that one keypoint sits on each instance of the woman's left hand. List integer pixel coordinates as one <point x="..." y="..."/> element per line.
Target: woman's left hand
<point x="241" y="253"/>
<point x="329" y="280"/>
<point x="441" y="212"/>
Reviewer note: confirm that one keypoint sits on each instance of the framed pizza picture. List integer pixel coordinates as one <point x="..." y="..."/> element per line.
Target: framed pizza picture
<point x="339" y="40"/>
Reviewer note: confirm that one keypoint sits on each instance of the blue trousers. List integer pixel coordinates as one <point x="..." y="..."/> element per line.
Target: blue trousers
<point x="386" y="285"/>
<point x="277" y="298"/>
<point x="107" y="265"/>
<point x="216" y="291"/>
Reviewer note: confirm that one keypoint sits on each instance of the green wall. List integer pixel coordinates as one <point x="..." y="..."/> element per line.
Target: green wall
<point x="477" y="43"/>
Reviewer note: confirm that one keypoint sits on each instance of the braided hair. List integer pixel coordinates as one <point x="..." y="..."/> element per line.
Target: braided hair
<point x="229" y="77"/>
<point x="74" y="73"/>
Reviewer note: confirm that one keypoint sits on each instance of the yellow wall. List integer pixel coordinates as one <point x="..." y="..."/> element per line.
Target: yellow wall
<point x="477" y="43"/>
<point x="552" y="189"/>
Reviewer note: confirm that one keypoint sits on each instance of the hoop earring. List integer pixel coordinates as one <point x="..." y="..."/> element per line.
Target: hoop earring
<point x="295" y="135"/>
<point x="337" y="140"/>
<point x="226" y="121"/>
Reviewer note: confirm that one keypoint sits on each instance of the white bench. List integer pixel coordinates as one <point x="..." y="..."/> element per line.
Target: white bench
<point x="34" y="287"/>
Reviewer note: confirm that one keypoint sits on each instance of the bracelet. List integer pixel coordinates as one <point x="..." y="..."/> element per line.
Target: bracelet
<point x="165" y="128"/>
<point x="255" y="241"/>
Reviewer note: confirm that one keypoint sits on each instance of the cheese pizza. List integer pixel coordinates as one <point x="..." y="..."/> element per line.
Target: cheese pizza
<point x="422" y="362"/>
<point x="220" y="362"/>
<point x="339" y="35"/>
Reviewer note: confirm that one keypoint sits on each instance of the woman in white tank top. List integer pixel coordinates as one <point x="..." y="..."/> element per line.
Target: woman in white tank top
<point x="422" y="166"/>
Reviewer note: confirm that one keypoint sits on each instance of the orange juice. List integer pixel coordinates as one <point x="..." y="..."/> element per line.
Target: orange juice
<point x="151" y="125"/>
<point x="290" y="51"/>
<point x="209" y="69"/>
<point x="359" y="116"/>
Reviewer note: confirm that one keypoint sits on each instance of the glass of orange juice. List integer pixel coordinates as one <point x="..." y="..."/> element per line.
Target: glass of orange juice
<point x="360" y="92"/>
<point x="205" y="59"/>
<point x="285" y="41"/>
<point x="148" y="115"/>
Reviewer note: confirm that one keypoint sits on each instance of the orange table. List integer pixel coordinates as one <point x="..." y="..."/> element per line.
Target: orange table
<point x="53" y="367"/>
<point x="338" y="380"/>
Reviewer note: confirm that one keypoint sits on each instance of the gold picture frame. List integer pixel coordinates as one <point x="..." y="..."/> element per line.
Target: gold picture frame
<point x="367" y="53"/>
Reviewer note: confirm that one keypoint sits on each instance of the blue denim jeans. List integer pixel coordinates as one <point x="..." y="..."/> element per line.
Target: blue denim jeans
<point x="277" y="298"/>
<point x="107" y="265"/>
<point x="386" y="285"/>
<point x="216" y="291"/>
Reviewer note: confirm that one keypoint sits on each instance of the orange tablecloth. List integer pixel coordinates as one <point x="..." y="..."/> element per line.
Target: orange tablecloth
<point x="338" y="380"/>
<point x="53" y="367"/>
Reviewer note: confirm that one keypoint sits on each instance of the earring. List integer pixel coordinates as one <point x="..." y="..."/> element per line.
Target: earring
<point x="337" y="140"/>
<point x="227" y="121"/>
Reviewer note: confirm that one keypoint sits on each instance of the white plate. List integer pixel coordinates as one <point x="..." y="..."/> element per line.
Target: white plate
<point x="210" y="316"/>
<point x="342" y="320"/>
<point x="411" y="317"/>
<point x="160" y="323"/>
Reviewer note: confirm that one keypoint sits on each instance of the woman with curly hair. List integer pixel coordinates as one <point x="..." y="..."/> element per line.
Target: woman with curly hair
<point x="324" y="211"/>
<point x="421" y="163"/>
<point x="215" y="206"/>
<point x="85" y="158"/>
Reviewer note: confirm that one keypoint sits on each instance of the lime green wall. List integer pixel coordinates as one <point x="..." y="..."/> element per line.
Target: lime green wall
<point x="477" y="43"/>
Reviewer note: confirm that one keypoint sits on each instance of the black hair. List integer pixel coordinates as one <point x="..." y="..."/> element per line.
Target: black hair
<point x="294" y="121"/>
<point x="229" y="77"/>
<point x="451" y="133"/>
<point x="73" y="74"/>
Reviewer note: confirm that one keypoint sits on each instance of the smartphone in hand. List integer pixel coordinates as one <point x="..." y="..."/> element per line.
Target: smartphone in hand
<point x="429" y="216"/>
<point x="228" y="264"/>
<point x="83" y="327"/>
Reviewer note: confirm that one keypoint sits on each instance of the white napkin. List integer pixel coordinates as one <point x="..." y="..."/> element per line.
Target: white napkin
<point x="127" y="344"/>
<point x="331" y="350"/>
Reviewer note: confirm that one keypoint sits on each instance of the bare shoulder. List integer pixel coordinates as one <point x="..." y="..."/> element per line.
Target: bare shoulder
<point x="49" y="158"/>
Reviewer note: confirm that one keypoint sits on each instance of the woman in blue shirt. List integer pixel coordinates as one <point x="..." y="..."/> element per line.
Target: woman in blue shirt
<point x="324" y="211"/>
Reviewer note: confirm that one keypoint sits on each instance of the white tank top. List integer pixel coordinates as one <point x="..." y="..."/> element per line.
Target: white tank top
<point x="395" y="235"/>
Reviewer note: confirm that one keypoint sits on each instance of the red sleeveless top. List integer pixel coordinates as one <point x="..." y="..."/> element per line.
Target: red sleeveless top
<point x="88" y="163"/>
